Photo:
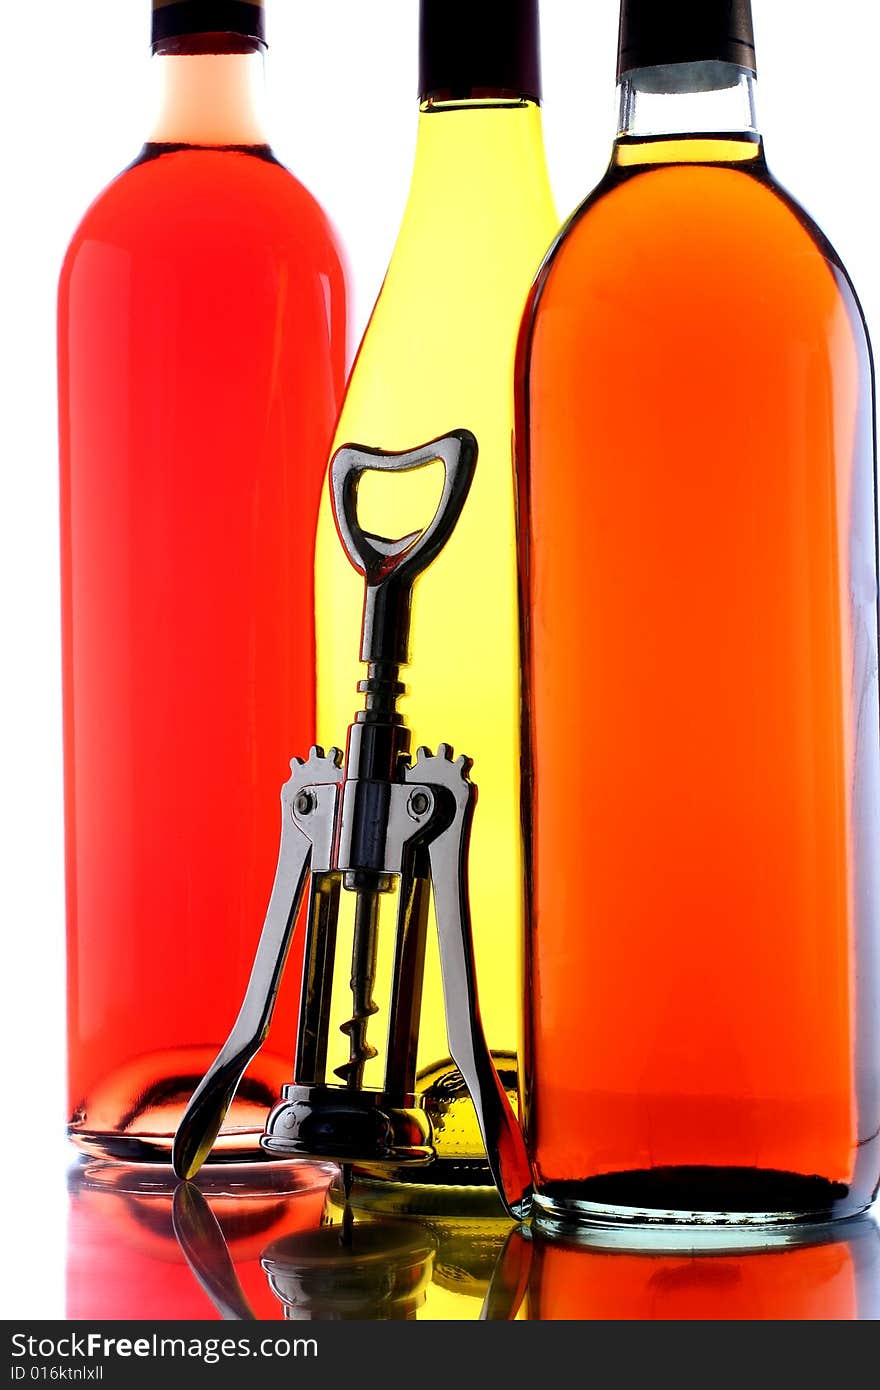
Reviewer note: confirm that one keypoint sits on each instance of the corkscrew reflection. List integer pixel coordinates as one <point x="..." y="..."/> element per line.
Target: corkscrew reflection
<point x="278" y="1241"/>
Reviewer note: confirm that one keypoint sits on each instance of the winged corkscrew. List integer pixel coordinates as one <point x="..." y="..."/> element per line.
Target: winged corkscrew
<point x="371" y="824"/>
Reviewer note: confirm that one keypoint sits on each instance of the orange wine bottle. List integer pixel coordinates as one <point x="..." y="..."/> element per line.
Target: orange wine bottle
<point x="698" y="556"/>
<point x="202" y="326"/>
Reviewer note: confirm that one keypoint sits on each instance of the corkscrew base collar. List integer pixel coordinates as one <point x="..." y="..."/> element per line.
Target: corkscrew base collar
<point x="348" y="1126"/>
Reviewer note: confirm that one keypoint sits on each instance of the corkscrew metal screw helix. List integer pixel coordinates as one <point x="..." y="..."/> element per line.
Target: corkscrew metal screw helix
<point x="375" y="822"/>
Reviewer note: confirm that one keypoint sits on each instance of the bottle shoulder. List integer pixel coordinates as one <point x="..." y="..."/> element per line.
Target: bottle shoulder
<point x="732" y="227"/>
<point x="172" y="196"/>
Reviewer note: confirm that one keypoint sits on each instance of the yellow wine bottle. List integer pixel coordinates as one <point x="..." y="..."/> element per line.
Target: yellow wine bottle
<point x="438" y="355"/>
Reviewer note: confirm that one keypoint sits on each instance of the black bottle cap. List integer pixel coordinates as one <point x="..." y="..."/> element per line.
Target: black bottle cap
<point x="490" y="47"/>
<point x="173" y="19"/>
<point x="658" y="32"/>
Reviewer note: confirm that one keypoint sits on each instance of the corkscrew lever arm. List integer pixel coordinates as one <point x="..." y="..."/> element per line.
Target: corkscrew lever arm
<point x="448" y="857"/>
<point x="207" y="1109"/>
<point x="201" y="1239"/>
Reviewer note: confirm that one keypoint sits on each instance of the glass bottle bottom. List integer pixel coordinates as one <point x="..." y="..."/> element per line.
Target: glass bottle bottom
<point x="235" y="1178"/>
<point x="696" y="1196"/>
<point x="131" y="1114"/>
<point x="439" y="1174"/>
<point x="240" y="1147"/>
<point x="460" y="1160"/>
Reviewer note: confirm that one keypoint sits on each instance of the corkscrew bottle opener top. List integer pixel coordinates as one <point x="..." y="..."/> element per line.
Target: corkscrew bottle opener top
<point x="366" y="825"/>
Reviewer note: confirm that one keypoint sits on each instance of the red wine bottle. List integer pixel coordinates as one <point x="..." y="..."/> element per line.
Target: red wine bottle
<point x="202" y="340"/>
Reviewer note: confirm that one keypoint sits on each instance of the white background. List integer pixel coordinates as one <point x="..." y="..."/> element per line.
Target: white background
<point x="74" y="88"/>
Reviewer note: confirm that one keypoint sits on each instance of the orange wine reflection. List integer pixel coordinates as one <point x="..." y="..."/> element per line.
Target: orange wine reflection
<point x="828" y="1274"/>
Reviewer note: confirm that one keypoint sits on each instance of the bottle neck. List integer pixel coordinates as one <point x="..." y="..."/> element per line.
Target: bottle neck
<point x="208" y="91"/>
<point x="492" y="147"/>
<point x="691" y="106"/>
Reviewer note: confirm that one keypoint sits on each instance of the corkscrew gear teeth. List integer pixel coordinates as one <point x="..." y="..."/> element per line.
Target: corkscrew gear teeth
<point x="366" y="825"/>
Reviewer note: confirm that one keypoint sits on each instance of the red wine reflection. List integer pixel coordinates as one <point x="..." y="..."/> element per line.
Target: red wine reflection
<point x="124" y="1261"/>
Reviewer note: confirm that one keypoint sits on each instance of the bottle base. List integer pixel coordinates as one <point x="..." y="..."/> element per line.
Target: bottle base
<point x="375" y="1197"/>
<point x="240" y="1147"/>
<point x="455" y="1174"/>
<point x="234" y="1179"/>
<point x="459" y="1160"/>
<point x="696" y="1197"/>
<point x="131" y="1114"/>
